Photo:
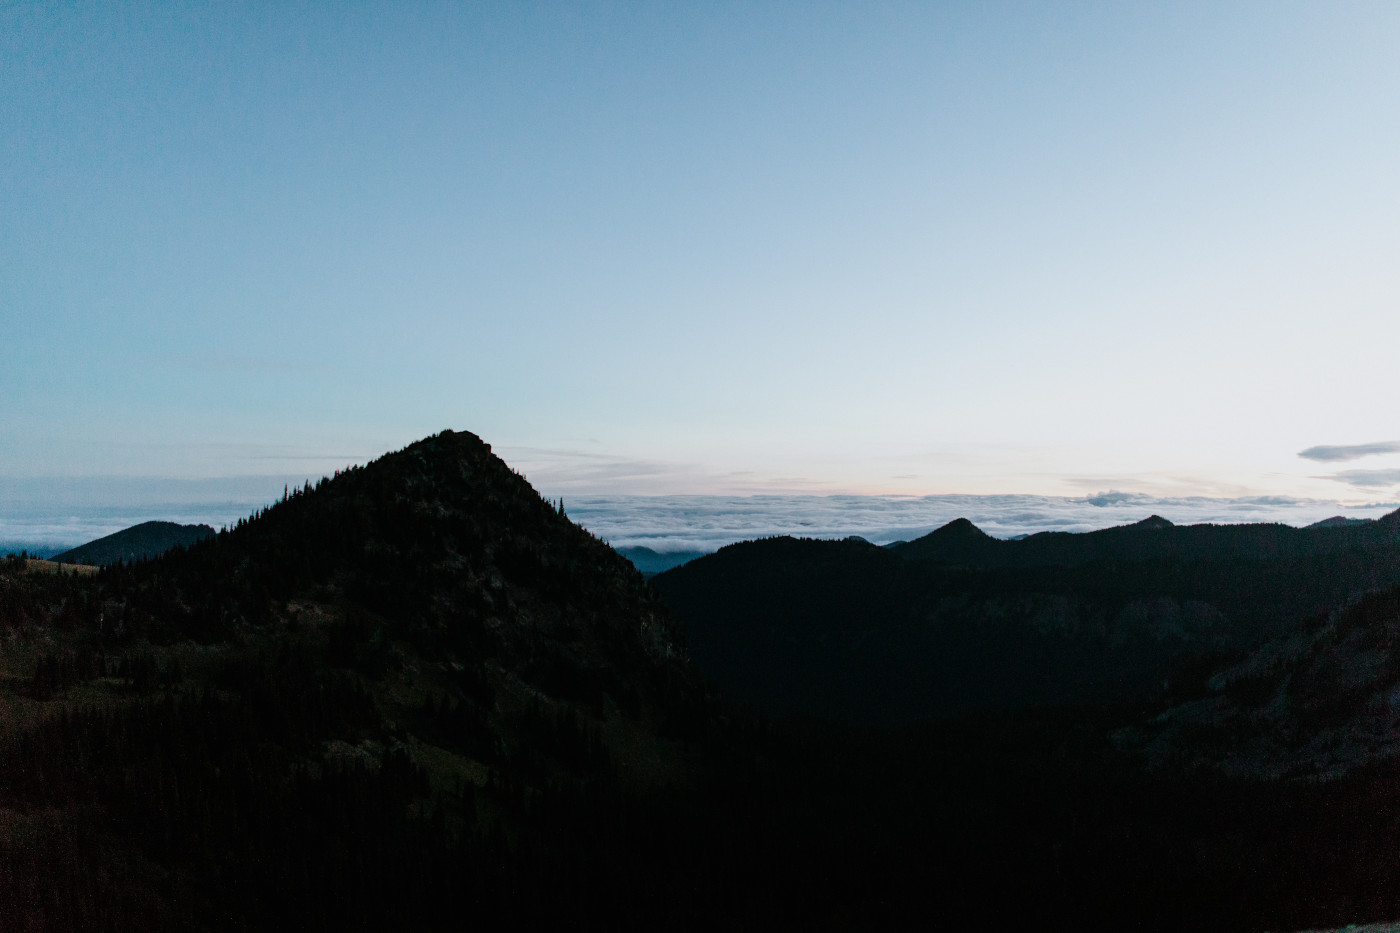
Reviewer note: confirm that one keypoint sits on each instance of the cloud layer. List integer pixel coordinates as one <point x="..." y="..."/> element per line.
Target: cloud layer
<point x="79" y="511"/>
<point x="703" y="523"/>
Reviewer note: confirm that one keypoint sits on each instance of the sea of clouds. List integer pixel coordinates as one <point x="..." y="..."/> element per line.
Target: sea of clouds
<point x="47" y="516"/>
<point x="51" y="523"/>
<point x="706" y="523"/>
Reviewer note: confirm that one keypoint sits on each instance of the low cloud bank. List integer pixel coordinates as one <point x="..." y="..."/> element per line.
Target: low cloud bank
<point x="706" y="523"/>
<point x="53" y="515"/>
<point x="47" y="533"/>
<point x="671" y="523"/>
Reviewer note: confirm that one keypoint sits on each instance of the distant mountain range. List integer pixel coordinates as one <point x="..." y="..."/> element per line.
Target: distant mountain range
<point x="651" y="562"/>
<point x="1339" y="521"/>
<point x="707" y="523"/>
<point x="139" y="542"/>
<point x="957" y="622"/>
<point x="962" y="544"/>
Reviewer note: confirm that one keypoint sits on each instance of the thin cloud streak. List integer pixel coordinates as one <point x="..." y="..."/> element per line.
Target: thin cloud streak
<point x="558" y="471"/>
<point x="1326" y="453"/>
<point x="1367" y="479"/>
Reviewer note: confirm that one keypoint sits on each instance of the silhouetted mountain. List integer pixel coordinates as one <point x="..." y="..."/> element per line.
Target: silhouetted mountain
<point x="1153" y="538"/>
<point x="958" y="621"/>
<point x="445" y="547"/>
<point x="651" y="562"/>
<point x="335" y="713"/>
<point x="1338" y="521"/>
<point x="139" y="542"/>
<point x="958" y="543"/>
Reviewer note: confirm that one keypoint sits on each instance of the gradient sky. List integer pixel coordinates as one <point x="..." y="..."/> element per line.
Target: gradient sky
<point x="877" y="247"/>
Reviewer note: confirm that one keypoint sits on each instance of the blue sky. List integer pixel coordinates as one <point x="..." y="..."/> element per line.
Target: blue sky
<point x="707" y="248"/>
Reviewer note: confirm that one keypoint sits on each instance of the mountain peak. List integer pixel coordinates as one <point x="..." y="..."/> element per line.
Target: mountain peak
<point x="454" y="553"/>
<point x="148" y="539"/>
<point x="1152" y="522"/>
<point x="960" y="528"/>
<point x="1337" y="521"/>
<point x="956" y="542"/>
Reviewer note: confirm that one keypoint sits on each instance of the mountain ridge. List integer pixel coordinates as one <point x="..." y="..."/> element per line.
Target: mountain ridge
<point x="390" y="686"/>
<point x="441" y="539"/>
<point x="139" y="542"/>
<point x="1134" y="614"/>
<point x="1167" y="540"/>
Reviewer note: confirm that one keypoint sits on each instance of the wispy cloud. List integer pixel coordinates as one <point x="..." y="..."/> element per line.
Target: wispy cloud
<point x="1327" y="453"/>
<point x="1154" y="485"/>
<point x="557" y="471"/>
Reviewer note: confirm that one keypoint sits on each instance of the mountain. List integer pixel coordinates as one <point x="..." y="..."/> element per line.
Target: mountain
<point x="957" y="622"/>
<point x="1153" y="538"/>
<point x="1338" y="521"/>
<point x="412" y="693"/>
<point x="651" y="562"/>
<point x="139" y="542"/>
<point x="958" y="543"/>
<point x="443" y="546"/>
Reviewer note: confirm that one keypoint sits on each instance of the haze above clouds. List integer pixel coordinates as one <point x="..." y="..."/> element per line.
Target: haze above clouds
<point x="730" y="248"/>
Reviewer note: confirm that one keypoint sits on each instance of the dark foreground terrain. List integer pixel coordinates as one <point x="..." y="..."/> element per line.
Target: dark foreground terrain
<point x="417" y="697"/>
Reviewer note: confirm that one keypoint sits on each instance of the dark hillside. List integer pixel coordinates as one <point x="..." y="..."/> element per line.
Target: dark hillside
<point x="851" y="632"/>
<point x="445" y="547"/>
<point x="412" y="692"/>
<point x="1316" y="703"/>
<point x="139" y="542"/>
<point x="848" y="632"/>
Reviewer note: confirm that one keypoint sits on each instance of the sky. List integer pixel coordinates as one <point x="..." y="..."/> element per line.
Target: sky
<point x="704" y="248"/>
